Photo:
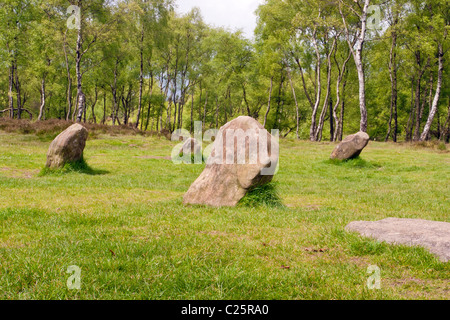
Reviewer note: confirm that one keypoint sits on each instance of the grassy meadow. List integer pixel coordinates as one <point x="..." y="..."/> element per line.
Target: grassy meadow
<point x="122" y="222"/>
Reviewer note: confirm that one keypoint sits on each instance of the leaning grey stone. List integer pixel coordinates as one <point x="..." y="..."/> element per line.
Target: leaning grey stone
<point x="432" y="235"/>
<point x="351" y="146"/>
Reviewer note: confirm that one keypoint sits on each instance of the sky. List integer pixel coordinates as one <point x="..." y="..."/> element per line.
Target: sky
<point x="232" y="14"/>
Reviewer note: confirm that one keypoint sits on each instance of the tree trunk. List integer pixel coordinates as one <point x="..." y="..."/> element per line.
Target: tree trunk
<point x="362" y="95"/>
<point x="357" y="56"/>
<point x="409" y="125"/>
<point x="341" y="120"/>
<point x="199" y="115"/>
<point x="104" y="108"/>
<point x="93" y="104"/>
<point x="114" y="94"/>
<point x="169" y="104"/>
<point x="84" y="114"/>
<point x="277" y="113"/>
<point x="268" y="103"/>
<point x="417" y="107"/>
<point x="331" y="120"/>
<point x="42" y="107"/>
<point x="341" y="73"/>
<point x="192" y="111"/>
<point x="430" y="102"/>
<point x="393" y="77"/>
<point x="360" y="68"/>
<point x="318" y="134"/>
<point x="304" y="83"/>
<point x="246" y="101"/>
<point x="419" y="110"/>
<point x="180" y="115"/>
<point x="204" y="110"/>
<point x="217" y="112"/>
<point x="434" y="106"/>
<point x="81" y="98"/>
<point x="141" y="78"/>
<point x="445" y="134"/>
<point x="174" y="111"/>
<point x="69" y="80"/>
<point x="18" y="92"/>
<point x="174" y="94"/>
<point x="312" y="131"/>
<point x="150" y="104"/>
<point x="296" y="105"/>
<point x="10" y="92"/>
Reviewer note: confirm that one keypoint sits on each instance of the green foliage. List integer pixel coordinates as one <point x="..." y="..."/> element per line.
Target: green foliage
<point x="194" y="71"/>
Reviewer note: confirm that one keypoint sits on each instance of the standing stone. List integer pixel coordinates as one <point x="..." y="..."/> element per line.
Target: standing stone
<point x="351" y="146"/>
<point x="68" y="146"/>
<point x="243" y="155"/>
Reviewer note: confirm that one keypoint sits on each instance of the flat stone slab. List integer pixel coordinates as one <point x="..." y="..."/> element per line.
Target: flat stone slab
<point x="432" y="235"/>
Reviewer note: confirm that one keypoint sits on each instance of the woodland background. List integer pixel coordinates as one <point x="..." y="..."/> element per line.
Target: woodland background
<point x="315" y="69"/>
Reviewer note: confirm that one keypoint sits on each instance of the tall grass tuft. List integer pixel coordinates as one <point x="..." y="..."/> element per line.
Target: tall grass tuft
<point x="265" y="195"/>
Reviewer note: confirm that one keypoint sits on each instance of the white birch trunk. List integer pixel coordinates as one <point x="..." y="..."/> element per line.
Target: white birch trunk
<point x="426" y="129"/>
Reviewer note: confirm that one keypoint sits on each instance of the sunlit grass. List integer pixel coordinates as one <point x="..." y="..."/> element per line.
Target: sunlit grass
<point x="79" y="166"/>
<point x="125" y="226"/>
<point x="265" y="195"/>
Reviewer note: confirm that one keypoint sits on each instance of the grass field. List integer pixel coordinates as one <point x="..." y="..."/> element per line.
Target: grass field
<point x="124" y="225"/>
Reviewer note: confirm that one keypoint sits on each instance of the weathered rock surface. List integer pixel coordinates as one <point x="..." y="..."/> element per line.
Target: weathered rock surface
<point x="432" y="235"/>
<point x="351" y="146"/>
<point x="229" y="175"/>
<point x="68" y="146"/>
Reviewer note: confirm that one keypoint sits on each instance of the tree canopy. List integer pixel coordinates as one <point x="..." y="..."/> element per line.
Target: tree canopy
<point x="315" y="69"/>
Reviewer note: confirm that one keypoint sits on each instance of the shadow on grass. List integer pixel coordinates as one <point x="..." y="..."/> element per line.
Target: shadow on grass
<point x="265" y="195"/>
<point x="357" y="162"/>
<point x="79" y="166"/>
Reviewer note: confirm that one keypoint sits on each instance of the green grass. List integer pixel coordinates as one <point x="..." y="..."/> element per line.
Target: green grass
<point x="357" y="162"/>
<point x="123" y="223"/>
<point x="265" y="195"/>
<point x="79" y="166"/>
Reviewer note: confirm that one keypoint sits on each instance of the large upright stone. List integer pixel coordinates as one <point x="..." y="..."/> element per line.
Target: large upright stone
<point x="244" y="155"/>
<point x="68" y="146"/>
<point x="351" y="146"/>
